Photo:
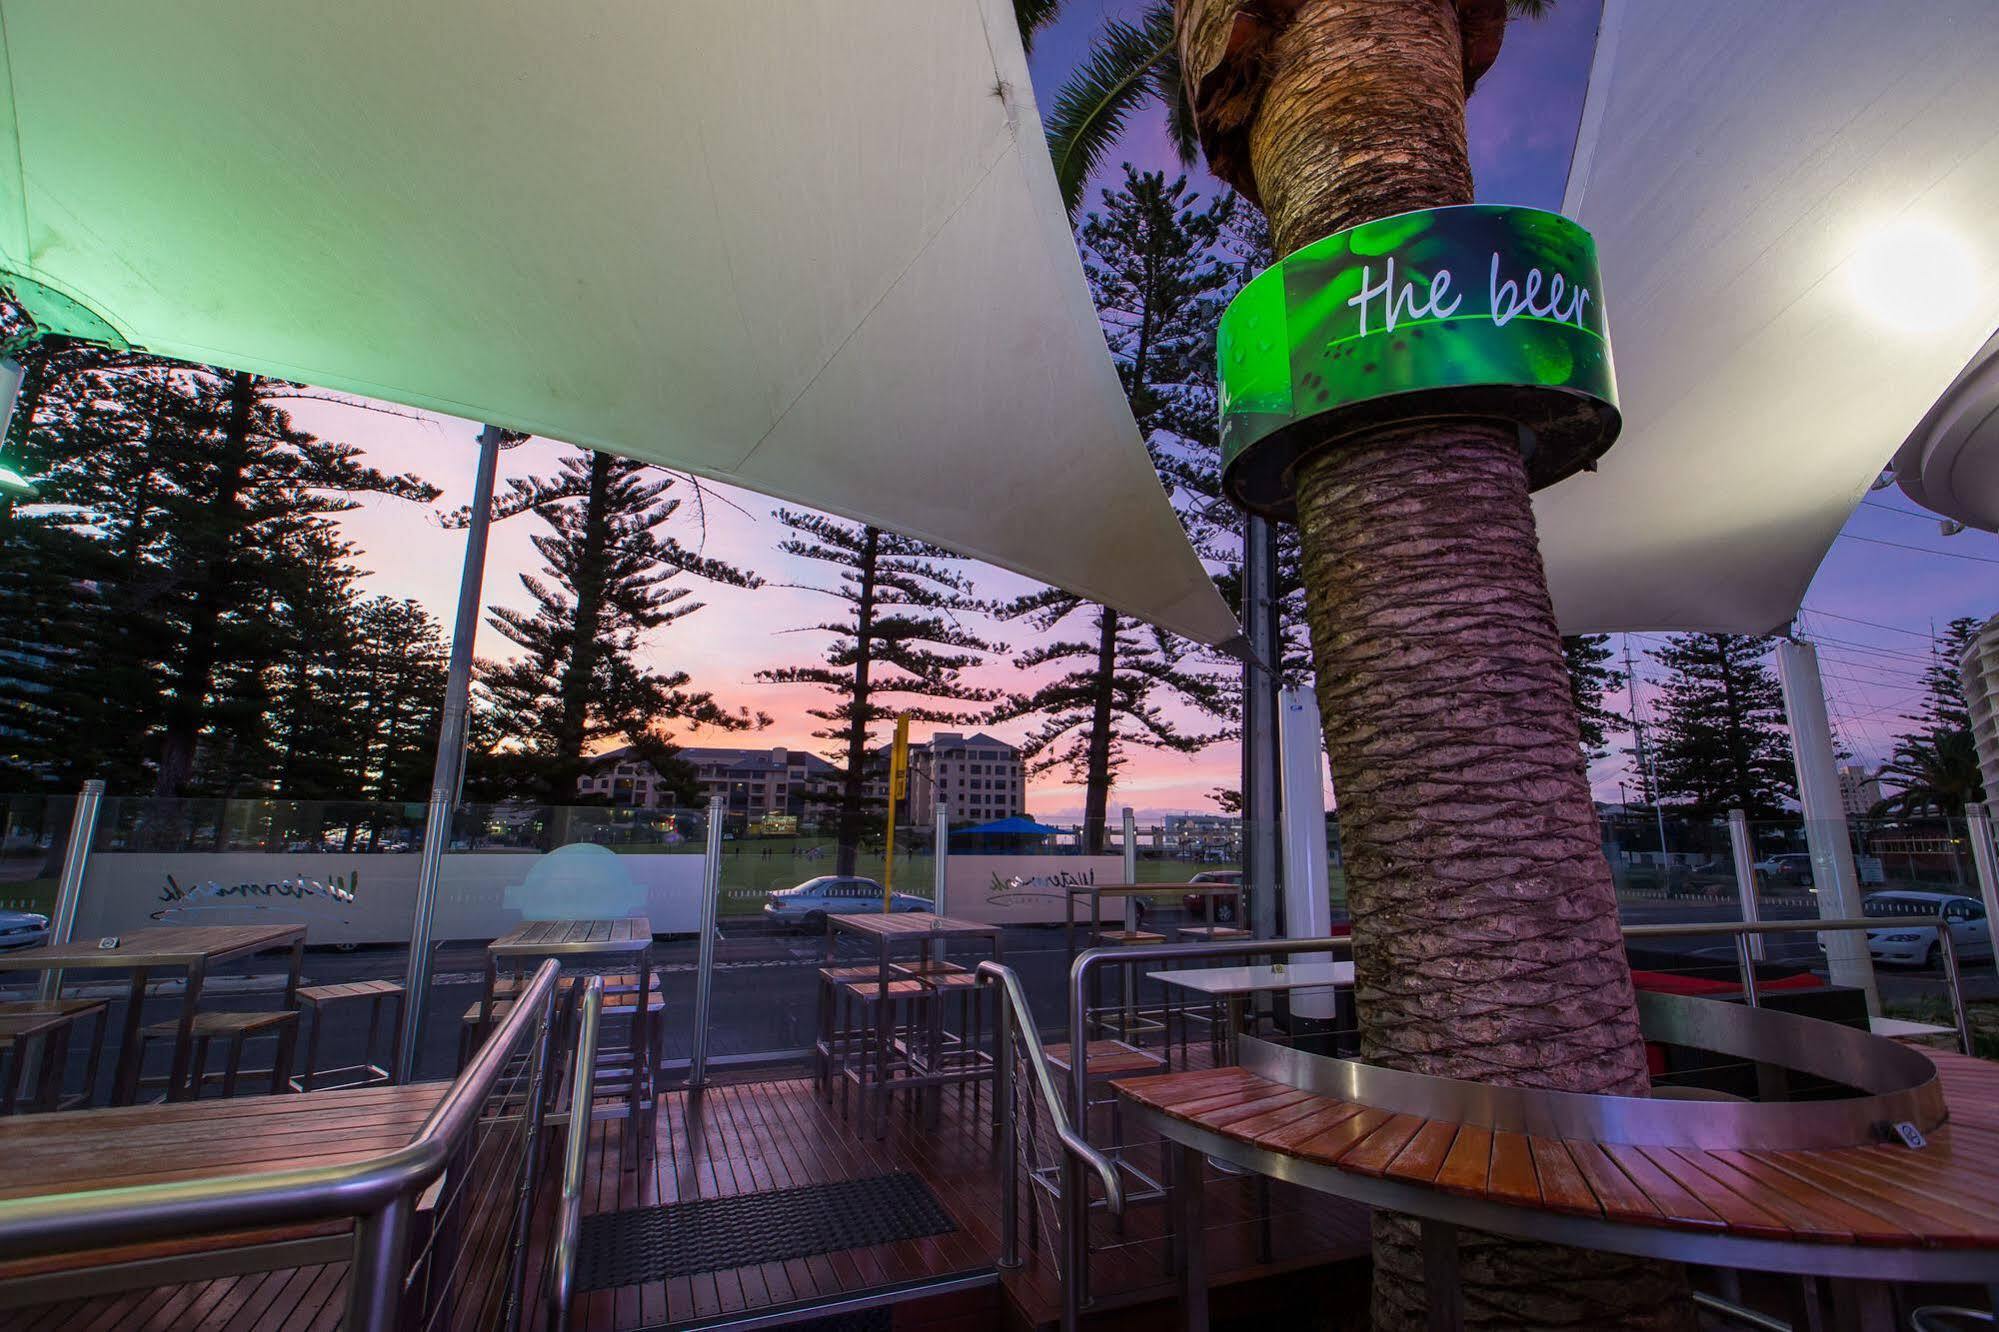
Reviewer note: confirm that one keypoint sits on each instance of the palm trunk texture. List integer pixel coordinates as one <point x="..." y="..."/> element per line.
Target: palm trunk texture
<point x="1485" y="924"/>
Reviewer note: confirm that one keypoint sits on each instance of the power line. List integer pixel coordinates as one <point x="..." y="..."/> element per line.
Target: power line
<point x="1871" y="624"/>
<point x="1920" y="550"/>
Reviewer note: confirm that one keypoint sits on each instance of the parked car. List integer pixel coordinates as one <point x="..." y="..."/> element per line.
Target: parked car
<point x="1197" y="903"/>
<point x="1970" y="931"/>
<point x="1790" y="869"/>
<point x="808" y="904"/>
<point x="23" y="929"/>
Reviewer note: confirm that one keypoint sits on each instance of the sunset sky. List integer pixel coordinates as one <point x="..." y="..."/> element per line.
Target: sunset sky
<point x="1886" y="582"/>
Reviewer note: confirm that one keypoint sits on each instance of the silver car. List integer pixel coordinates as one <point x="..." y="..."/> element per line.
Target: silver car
<point x="1970" y="931"/>
<point x="23" y="929"/>
<point x="808" y="905"/>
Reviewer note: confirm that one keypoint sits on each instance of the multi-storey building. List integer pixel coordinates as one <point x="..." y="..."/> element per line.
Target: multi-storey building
<point x="980" y="777"/>
<point x="755" y="782"/>
<point x="1859" y="789"/>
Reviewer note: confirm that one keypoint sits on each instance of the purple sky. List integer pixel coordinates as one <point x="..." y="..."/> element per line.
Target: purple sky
<point x="1872" y="606"/>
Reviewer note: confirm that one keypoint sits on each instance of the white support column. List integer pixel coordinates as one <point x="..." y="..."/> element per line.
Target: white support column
<point x="1308" y="893"/>
<point x="1984" y="859"/>
<point x="1833" y="872"/>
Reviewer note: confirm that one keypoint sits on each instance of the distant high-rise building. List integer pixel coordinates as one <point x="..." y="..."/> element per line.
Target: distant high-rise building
<point x="981" y="778"/>
<point x="1979" y="667"/>
<point x="755" y="782"/>
<point x="1859" y="788"/>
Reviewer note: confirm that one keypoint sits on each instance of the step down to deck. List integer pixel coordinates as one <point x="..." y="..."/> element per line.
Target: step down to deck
<point x="642" y="1244"/>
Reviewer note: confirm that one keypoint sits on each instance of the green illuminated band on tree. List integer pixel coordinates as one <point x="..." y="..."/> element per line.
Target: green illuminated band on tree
<point x="1476" y="311"/>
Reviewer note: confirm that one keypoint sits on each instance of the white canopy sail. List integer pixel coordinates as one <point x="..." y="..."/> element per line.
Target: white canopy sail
<point x="810" y="247"/>
<point x="1792" y="202"/>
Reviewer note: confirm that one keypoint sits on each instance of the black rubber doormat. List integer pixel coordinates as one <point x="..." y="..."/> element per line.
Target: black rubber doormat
<point x="680" y="1239"/>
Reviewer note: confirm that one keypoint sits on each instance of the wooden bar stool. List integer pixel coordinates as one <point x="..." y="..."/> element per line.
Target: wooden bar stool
<point x="829" y="1050"/>
<point x="235" y="1030"/>
<point x="76" y="1010"/>
<point x="323" y="1002"/>
<point x="1190" y="1011"/>
<point x="45" y="1036"/>
<point x="1129" y="1018"/>
<point x="964" y="1050"/>
<point x="893" y="1017"/>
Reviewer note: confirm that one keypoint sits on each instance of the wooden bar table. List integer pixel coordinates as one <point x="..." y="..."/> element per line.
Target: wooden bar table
<point x="193" y="949"/>
<point x="586" y="947"/>
<point x="925" y="928"/>
<point x="86" y="1150"/>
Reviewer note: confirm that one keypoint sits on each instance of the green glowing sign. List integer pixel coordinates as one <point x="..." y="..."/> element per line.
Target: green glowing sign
<point x="1479" y="311"/>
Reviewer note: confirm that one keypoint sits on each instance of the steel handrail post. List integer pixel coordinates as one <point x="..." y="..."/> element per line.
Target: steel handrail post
<point x="704" y="972"/>
<point x="1948" y="947"/>
<point x="1742" y="852"/>
<point x="533" y="1117"/>
<point x="1008" y="1129"/>
<point x="69" y="887"/>
<point x="375" y="1280"/>
<point x="1747" y="966"/>
<point x="103" y="1217"/>
<point x="576" y="1152"/>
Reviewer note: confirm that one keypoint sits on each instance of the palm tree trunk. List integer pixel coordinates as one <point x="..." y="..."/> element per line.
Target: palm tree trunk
<point x="1485" y="925"/>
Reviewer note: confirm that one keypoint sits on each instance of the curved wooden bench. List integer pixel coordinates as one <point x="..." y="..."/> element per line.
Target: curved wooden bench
<point x="1875" y="1212"/>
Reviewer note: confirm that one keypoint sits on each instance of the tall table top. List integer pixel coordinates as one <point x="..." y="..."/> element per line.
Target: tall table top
<point x="556" y="938"/>
<point x="912" y="925"/>
<point x="157" y="946"/>
<point x="1882" y="1212"/>
<point x="1224" y="981"/>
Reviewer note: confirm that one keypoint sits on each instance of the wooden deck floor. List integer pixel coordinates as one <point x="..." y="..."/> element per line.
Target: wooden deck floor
<point x="750" y="1137"/>
<point x="742" y="1139"/>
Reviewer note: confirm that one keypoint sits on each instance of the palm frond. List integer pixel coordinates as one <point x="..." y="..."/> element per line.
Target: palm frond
<point x="1033" y="16"/>
<point x="1115" y="79"/>
<point x="1532" y="9"/>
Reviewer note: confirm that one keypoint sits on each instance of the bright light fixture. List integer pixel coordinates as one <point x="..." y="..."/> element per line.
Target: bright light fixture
<point x="15" y="486"/>
<point x="1914" y="274"/>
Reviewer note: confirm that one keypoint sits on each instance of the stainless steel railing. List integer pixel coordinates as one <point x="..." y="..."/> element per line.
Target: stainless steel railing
<point x="377" y="1193"/>
<point x="1743" y="930"/>
<point x="569" y="1208"/>
<point x="1015" y="1022"/>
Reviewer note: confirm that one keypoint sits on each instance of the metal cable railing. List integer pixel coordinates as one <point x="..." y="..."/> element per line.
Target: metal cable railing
<point x="576" y="1150"/>
<point x="1016" y="1031"/>
<point x="379" y="1194"/>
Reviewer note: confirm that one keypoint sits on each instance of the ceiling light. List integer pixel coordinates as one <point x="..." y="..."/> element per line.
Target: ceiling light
<point x="1914" y="274"/>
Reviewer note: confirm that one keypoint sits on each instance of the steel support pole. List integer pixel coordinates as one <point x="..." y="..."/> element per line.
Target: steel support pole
<point x="1833" y="871"/>
<point x="941" y="875"/>
<point x="1130" y="830"/>
<point x="449" y="766"/>
<point x="69" y="887"/>
<point x="375" y="1280"/>
<point x="1984" y="859"/>
<point x="704" y="973"/>
<point x="1742" y="849"/>
<point x="1260" y="682"/>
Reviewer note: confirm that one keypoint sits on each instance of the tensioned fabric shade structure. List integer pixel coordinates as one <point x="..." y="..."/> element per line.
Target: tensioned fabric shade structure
<point x="810" y="247"/>
<point x="1793" y="206"/>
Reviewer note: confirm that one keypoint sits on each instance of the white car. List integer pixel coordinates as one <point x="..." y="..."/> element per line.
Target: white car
<point x="23" y="929"/>
<point x="1970" y="931"/>
<point x="808" y="905"/>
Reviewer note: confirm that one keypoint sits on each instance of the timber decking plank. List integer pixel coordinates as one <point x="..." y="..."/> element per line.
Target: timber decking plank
<point x="1512" y="1177"/>
<point x="1469" y="1161"/>
<point x="1563" y="1187"/>
<point x="1423" y="1157"/>
<point x="1372" y="1154"/>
